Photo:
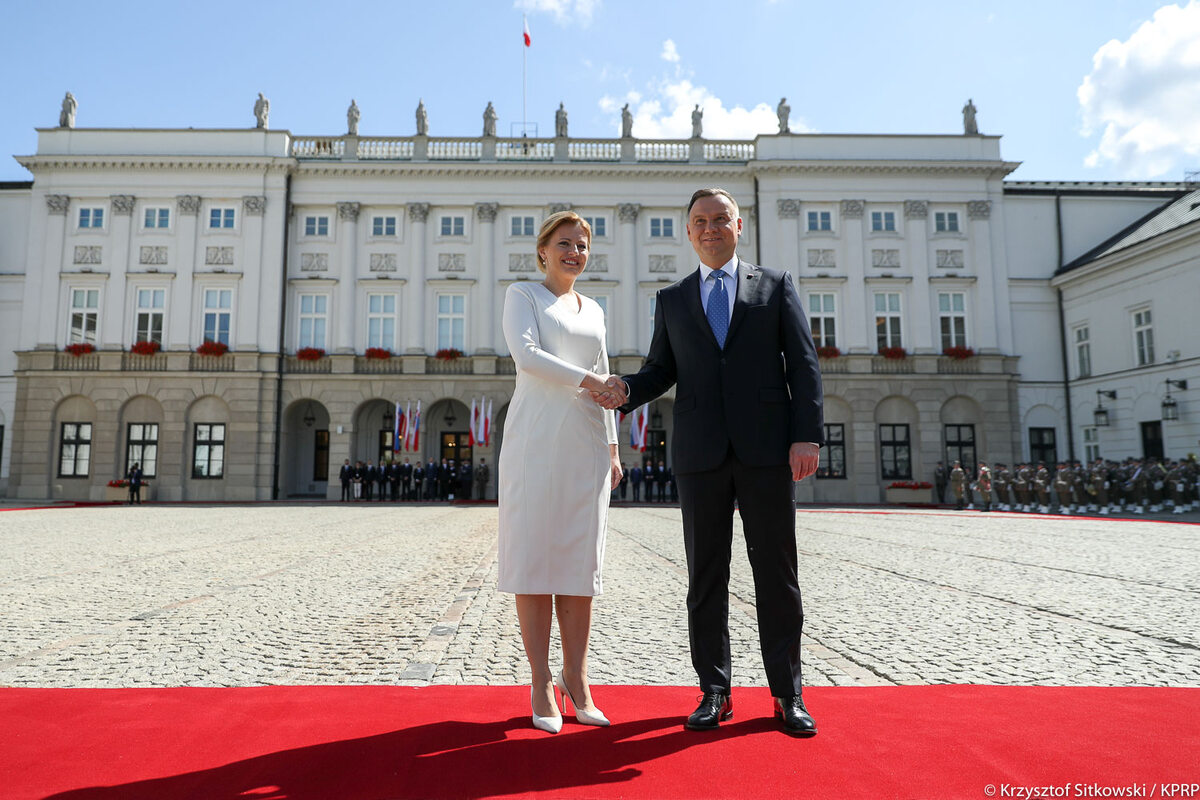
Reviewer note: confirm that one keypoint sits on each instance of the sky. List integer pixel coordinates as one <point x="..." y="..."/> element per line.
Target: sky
<point x="1079" y="89"/>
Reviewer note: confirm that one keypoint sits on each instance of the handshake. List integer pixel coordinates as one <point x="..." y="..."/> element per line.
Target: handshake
<point x="607" y="391"/>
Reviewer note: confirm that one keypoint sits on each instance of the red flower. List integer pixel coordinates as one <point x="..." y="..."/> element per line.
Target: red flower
<point x="448" y="354"/>
<point x="79" y="348"/>
<point x="211" y="348"/>
<point x="958" y="352"/>
<point x="310" y="354"/>
<point x="910" y="485"/>
<point x="381" y="353"/>
<point x="118" y="483"/>
<point x="828" y="351"/>
<point x="144" y="348"/>
<point x="893" y="353"/>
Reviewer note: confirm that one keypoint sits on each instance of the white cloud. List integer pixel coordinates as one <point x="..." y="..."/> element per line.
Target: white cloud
<point x="564" y="11"/>
<point x="1141" y="96"/>
<point x="664" y="109"/>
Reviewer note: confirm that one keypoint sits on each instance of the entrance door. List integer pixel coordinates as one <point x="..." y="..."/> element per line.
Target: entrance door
<point x="1152" y="443"/>
<point x="456" y="446"/>
<point x="960" y="447"/>
<point x="321" y="456"/>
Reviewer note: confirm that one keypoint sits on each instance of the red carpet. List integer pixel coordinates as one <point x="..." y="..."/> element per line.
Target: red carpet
<point x="372" y="743"/>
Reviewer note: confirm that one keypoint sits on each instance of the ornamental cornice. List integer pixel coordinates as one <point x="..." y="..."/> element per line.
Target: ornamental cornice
<point x="37" y="164"/>
<point x="418" y="212"/>
<point x="916" y="209"/>
<point x="788" y="209"/>
<point x="122" y="203"/>
<point x="979" y="209"/>
<point x="628" y="212"/>
<point x="188" y="204"/>
<point x="555" y="208"/>
<point x="349" y="211"/>
<point x="253" y="205"/>
<point x="486" y="212"/>
<point x="470" y="169"/>
<point x="58" y="203"/>
<point x="990" y="169"/>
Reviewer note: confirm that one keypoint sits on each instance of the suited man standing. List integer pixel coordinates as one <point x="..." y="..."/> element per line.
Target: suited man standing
<point x="733" y="338"/>
<point x="635" y="476"/>
<point x="345" y="475"/>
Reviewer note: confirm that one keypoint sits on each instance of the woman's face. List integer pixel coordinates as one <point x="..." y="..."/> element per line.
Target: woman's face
<point x="566" y="253"/>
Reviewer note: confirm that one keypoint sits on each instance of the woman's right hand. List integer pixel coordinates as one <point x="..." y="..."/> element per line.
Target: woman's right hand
<point x="606" y="392"/>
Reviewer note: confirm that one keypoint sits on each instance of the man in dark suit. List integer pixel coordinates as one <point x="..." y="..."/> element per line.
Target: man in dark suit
<point x="732" y="337"/>
<point x="406" y="478"/>
<point x="345" y="475"/>
<point x="636" y="477"/>
<point x="369" y="475"/>
<point x="418" y="475"/>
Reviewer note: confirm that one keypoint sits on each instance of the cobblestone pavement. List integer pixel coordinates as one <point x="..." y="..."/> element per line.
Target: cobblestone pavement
<point x="327" y="594"/>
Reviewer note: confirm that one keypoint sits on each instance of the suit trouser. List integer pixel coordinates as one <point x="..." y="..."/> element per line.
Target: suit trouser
<point x="765" y="500"/>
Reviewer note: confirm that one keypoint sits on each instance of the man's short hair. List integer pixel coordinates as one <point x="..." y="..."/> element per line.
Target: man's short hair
<point x="713" y="191"/>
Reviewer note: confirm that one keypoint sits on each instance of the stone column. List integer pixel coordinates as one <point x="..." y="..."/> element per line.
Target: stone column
<point x="987" y="333"/>
<point x="857" y="329"/>
<point x="789" y="235"/>
<point x="113" y="323"/>
<point x="348" y="280"/>
<point x="41" y="298"/>
<point x="244" y="336"/>
<point x="919" y="315"/>
<point x="484" y="323"/>
<point x="414" y="329"/>
<point x="178" y="335"/>
<point x="628" y="343"/>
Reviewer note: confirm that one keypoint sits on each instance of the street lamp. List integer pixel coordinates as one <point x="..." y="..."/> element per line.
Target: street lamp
<point x="1170" y="407"/>
<point x="309" y="416"/>
<point x="1100" y="415"/>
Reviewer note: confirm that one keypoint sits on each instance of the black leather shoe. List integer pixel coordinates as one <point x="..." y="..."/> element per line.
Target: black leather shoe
<point x="796" y="719"/>
<point x="715" y="708"/>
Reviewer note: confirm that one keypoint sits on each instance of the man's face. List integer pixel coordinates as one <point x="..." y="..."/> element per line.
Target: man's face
<point x="713" y="228"/>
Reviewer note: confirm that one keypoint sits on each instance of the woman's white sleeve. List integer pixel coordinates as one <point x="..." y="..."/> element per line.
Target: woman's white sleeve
<point x="610" y="417"/>
<point x="524" y="342"/>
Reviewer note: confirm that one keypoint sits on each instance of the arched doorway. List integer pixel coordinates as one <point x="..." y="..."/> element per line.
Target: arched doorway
<point x="372" y="436"/>
<point x="304" y="450"/>
<point x="446" y="431"/>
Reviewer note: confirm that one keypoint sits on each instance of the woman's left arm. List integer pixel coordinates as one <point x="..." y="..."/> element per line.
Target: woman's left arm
<point x="615" y="471"/>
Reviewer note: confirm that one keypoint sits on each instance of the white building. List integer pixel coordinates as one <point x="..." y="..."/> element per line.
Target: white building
<point x="271" y="243"/>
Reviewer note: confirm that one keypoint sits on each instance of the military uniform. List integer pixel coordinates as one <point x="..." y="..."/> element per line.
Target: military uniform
<point x="1041" y="486"/>
<point x="984" y="482"/>
<point x="1062" y="489"/>
<point x="958" y="482"/>
<point x="1001" y="483"/>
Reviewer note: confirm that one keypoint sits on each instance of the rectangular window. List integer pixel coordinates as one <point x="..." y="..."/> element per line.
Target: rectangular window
<point x="952" y="316"/>
<point x="381" y="321"/>
<point x="313" y="317"/>
<point x="157" y="218"/>
<point x="822" y="317"/>
<point x="220" y="218"/>
<point x="383" y="226"/>
<point x="1091" y="444"/>
<point x="887" y="320"/>
<point x="451" y="321"/>
<point x="85" y="312"/>
<point x="945" y="221"/>
<point x="599" y="226"/>
<point x="522" y="226"/>
<point x="1143" y="337"/>
<point x="149" y="315"/>
<point x="453" y="226"/>
<point x="820" y="221"/>
<point x="208" y="450"/>
<point x="1042" y="446"/>
<point x="883" y="221"/>
<point x="217" y="314"/>
<point x="91" y="218"/>
<point x="832" y="458"/>
<point x="662" y="228"/>
<point x="960" y="447"/>
<point x="895" y="452"/>
<point x="141" y="448"/>
<point x="75" y="450"/>
<point x="316" y="226"/>
<point x="1083" y="351"/>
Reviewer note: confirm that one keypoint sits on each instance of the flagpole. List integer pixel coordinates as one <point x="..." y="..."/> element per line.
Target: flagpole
<point x="524" y="47"/>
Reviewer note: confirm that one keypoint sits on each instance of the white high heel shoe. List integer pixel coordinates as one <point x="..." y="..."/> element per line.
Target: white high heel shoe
<point x="596" y="717"/>
<point x="547" y="724"/>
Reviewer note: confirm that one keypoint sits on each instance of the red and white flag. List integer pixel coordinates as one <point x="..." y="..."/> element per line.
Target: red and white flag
<point x="487" y="426"/>
<point x="415" y="429"/>
<point x="472" y="425"/>
<point x="528" y="41"/>
<point x="637" y="429"/>
<point x="406" y="434"/>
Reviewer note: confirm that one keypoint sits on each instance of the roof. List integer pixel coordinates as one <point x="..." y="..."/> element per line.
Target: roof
<point x="1182" y="211"/>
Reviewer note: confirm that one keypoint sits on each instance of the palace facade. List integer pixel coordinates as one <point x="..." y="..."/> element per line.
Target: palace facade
<point x="954" y="306"/>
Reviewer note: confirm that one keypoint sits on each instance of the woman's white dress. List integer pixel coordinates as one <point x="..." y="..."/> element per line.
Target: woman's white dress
<point x="555" y="457"/>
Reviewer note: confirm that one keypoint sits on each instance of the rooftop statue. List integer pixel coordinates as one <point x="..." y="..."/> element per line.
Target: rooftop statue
<point x="560" y="122"/>
<point x="66" y="117"/>
<point x="489" y="120"/>
<point x="969" y="124"/>
<point x="783" y="110"/>
<point x="352" y="117"/>
<point x="626" y="123"/>
<point x="422" y="119"/>
<point x="697" y="121"/>
<point x="262" y="110"/>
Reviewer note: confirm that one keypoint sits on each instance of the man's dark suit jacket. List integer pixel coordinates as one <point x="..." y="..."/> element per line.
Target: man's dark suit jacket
<point x="758" y="395"/>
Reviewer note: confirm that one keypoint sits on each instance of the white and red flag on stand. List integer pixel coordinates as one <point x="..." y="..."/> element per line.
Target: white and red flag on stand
<point x="637" y="429"/>
<point x="528" y="41"/>
<point x="472" y="439"/>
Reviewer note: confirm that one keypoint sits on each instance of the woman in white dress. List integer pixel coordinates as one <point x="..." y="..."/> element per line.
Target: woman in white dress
<point x="558" y="465"/>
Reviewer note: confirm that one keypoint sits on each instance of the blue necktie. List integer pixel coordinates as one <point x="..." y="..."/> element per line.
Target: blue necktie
<point x="718" y="308"/>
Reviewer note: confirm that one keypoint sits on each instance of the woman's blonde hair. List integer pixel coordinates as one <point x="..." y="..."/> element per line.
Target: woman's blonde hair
<point x="551" y="224"/>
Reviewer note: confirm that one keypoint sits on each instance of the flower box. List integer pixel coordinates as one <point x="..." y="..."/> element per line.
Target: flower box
<point x="448" y="354"/>
<point x="144" y="348"/>
<point x="80" y="348"/>
<point x="959" y="353"/>
<point x="908" y="496"/>
<point x="893" y="353"/>
<point x="120" y="494"/>
<point x="211" y="348"/>
<point x="828" y="352"/>
<point x="378" y="353"/>
<point x="310" y="354"/>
